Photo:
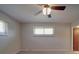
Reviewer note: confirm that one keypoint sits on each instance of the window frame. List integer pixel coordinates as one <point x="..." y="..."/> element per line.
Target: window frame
<point x="42" y="35"/>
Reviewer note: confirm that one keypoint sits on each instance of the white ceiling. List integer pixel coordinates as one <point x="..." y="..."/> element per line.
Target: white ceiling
<point x="26" y="13"/>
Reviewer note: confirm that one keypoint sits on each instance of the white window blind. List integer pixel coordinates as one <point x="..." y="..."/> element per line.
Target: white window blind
<point x="3" y="28"/>
<point x="48" y="31"/>
<point x="43" y="31"/>
<point x="38" y="31"/>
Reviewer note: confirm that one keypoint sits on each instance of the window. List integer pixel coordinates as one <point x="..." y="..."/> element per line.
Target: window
<point x="3" y="28"/>
<point x="38" y="31"/>
<point x="48" y="31"/>
<point x="43" y="31"/>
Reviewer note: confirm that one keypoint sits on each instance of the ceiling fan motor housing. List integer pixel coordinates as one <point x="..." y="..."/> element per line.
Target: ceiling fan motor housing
<point x="49" y="16"/>
<point x="46" y="6"/>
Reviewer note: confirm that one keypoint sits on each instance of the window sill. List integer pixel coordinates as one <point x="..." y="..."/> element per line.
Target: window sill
<point x="3" y="34"/>
<point x="43" y="35"/>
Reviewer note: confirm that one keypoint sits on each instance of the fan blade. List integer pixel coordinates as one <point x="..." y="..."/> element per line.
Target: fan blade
<point x="58" y="7"/>
<point x="49" y="16"/>
<point x="38" y="12"/>
<point x="42" y="4"/>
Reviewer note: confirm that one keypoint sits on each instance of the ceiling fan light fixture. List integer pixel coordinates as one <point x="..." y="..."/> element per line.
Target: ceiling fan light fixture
<point x="46" y="11"/>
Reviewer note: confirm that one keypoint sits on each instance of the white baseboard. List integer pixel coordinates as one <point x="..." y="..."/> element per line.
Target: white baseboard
<point x="15" y="52"/>
<point x="65" y="50"/>
<point x="45" y="50"/>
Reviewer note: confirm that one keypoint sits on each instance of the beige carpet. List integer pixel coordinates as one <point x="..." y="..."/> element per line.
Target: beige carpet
<point x="46" y="52"/>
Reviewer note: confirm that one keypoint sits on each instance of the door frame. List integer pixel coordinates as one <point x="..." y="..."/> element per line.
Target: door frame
<point x="72" y="37"/>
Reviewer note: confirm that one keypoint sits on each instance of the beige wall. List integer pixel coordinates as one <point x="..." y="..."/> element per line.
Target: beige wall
<point x="22" y="33"/>
<point x="11" y="42"/>
<point x="75" y="23"/>
<point x="60" y="41"/>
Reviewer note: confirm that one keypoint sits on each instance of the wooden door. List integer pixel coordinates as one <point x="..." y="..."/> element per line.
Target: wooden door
<point x="75" y="39"/>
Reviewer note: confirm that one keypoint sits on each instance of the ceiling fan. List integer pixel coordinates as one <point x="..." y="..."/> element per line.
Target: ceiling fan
<point x="48" y="8"/>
